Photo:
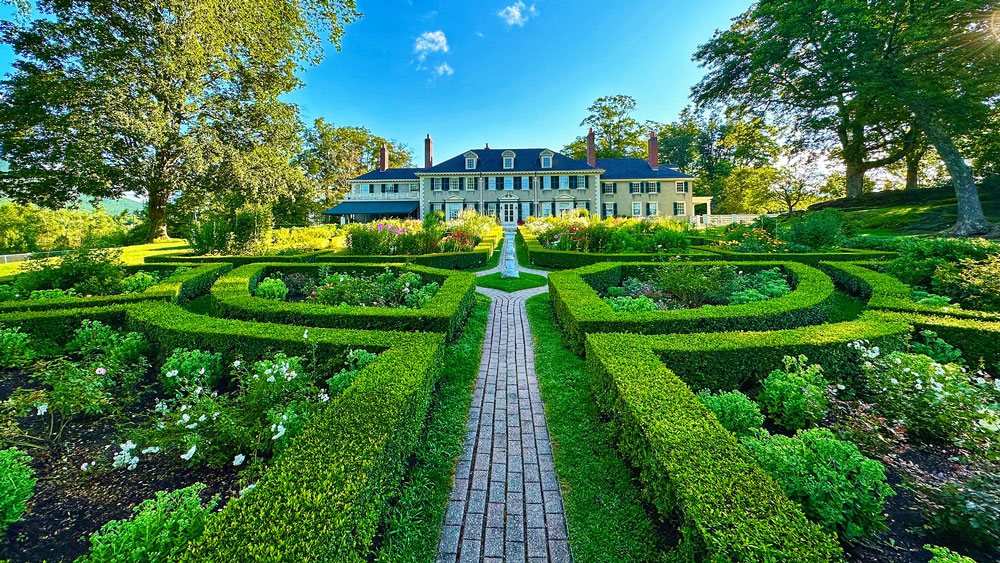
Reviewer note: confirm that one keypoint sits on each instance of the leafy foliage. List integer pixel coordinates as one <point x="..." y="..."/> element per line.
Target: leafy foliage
<point x="271" y="288"/>
<point x="973" y="283"/>
<point x="845" y="495"/>
<point x="189" y="369"/>
<point x="735" y="411"/>
<point x="91" y="272"/>
<point x="17" y="480"/>
<point x="795" y="396"/>
<point x="15" y="349"/>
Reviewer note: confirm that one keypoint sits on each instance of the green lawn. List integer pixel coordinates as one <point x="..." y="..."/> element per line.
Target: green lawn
<point x="494" y="260"/>
<point x="131" y="255"/>
<point x="607" y="521"/>
<point x="413" y="525"/>
<point x="525" y="281"/>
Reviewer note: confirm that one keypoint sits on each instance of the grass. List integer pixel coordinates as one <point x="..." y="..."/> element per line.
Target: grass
<point x="510" y="285"/>
<point x="607" y="521"/>
<point x="131" y="255"/>
<point x="414" y="522"/>
<point x="845" y="307"/>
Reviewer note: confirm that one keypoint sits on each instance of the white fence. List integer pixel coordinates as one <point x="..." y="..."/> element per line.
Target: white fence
<point x="25" y="256"/>
<point x="703" y="221"/>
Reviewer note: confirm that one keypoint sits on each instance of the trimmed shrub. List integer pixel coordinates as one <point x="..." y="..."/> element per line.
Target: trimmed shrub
<point x="795" y="396"/>
<point x="272" y="289"/>
<point x="729" y="509"/>
<point x="836" y="486"/>
<point x="734" y="410"/>
<point x="17" y="480"/>
<point x="159" y="531"/>
<point x="575" y="296"/>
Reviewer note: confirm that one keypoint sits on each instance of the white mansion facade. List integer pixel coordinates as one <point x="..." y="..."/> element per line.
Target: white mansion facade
<point x="513" y="184"/>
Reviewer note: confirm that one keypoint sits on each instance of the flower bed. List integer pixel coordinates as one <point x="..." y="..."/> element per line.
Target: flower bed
<point x="575" y="295"/>
<point x="317" y="500"/>
<point x="565" y="259"/>
<point x="614" y="235"/>
<point x="444" y="312"/>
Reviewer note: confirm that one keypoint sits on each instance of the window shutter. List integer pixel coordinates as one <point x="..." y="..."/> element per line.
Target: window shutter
<point x="461" y="183"/>
<point x="614" y="209"/>
<point x="572" y="182"/>
<point x="687" y="186"/>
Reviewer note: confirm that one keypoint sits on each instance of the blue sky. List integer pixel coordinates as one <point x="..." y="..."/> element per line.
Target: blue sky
<point x="517" y="74"/>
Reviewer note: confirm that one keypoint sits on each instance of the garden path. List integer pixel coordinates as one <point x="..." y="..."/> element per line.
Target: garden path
<point x="506" y="504"/>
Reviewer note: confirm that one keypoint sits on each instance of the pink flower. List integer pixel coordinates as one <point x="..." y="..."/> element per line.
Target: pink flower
<point x="312" y="293"/>
<point x="101" y="371"/>
<point x="380" y="227"/>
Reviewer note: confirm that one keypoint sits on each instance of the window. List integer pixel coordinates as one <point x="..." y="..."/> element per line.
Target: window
<point x="470" y="164"/>
<point x="564" y="207"/>
<point x="492" y="183"/>
<point x="491" y="209"/>
<point x="453" y="210"/>
<point x="678" y="208"/>
<point x="634" y="188"/>
<point x="608" y="187"/>
<point x="581" y="182"/>
<point x="609" y="210"/>
<point x="546" y="210"/>
<point x="508" y="162"/>
<point x="508" y="183"/>
<point x="654" y="187"/>
<point x="563" y="182"/>
<point x="471" y="183"/>
<point x="546" y="162"/>
<point x="636" y="209"/>
<point x="436" y="183"/>
<point x="652" y="209"/>
<point x="680" y="187"/>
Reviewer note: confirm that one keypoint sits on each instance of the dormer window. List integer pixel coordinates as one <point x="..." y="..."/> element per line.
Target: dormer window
<point x="508" y="160"/>
<point x="470" y="160"/>
<point x="546" y="157"/>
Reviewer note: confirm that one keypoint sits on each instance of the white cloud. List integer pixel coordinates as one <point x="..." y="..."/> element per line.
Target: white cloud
<point x="517" y="13"/>
<point x="430" y="42"/>
<point x="444" y="69"/>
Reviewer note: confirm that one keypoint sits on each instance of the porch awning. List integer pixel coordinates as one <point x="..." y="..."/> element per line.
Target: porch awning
<point x="373" y="208"/>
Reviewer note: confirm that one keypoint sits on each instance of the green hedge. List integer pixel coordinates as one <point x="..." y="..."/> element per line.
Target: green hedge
<point x="568" y="259"/>
<point x="177" y="289"/>
<point x="476" y="258"/>
<point x="811" y="258"/>
<point x="728" y="508"/>
<point x="237" y="261"/>
<point x="445" y="312"/>
<point x="735" y="360"/>
<point x="580" y="310"/>
<point x="325" y="498"/>
<point x="888" y="293"/>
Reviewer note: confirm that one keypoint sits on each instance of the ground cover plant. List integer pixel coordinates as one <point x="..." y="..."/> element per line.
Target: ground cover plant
<point x="523" y="281"/>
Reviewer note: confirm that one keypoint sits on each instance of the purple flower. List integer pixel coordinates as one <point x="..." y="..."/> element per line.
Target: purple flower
<point x="380" y="227"/>
<point x="399" y="230"/>
<point x="101" y="371"/>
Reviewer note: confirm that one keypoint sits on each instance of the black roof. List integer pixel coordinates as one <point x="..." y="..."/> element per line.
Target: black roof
<point x="635" y="169"/>
<point x="374" y="207"/>
<point x="391" y="174"/>
<point x="525" y="160"/>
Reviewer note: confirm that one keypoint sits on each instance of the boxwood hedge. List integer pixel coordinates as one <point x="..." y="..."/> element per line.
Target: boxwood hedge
<point x="566" y="259"/>
<point x="180" y="288"/>
<point x="476" y="258"/>
<point x="888" y="293"/>
<point x="812" y="258"/>
<point x="236" y="261"/>
<point x="728" y="508"/>
<point x="445" y="312"/>
<point x="580" y="310"/>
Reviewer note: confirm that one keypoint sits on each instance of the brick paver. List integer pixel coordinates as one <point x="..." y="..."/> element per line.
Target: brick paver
<point x="506" y="504"/>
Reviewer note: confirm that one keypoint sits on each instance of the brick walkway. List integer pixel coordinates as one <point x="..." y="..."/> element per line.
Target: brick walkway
<point x="506" y="504"/>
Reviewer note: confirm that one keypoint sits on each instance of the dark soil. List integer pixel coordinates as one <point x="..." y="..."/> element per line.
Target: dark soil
<point x="69" y="505"/>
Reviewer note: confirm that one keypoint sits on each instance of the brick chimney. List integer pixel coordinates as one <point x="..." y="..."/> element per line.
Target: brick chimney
<point x="591" y="149"/>
<point x="428" y="152"/>
<point x="383" y="158"/>
<point x="654" y="151"/>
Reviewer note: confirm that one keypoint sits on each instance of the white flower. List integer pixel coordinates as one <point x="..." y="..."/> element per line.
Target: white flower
<point x="281" y="431"/>
<point x="161" y="407"/>
<point x="172" y="373"/>
<point x="43" y="408"/>
<point x="84" y="466"/>
<point x="192" y="426"/>
<point x="323" y="397"/>
<point x="305" y="335"/>
<point x="151" y="450"/>
<point x="238" y="460"/>
<point x="236" y="364"/>
<point x="201" y="371"/>
<point x="129" y="445"/>
<point x="190" y="453"/>
<point x="202" y="418"/>
<point x="247" y="489"/>
<point x="271" y="379"/>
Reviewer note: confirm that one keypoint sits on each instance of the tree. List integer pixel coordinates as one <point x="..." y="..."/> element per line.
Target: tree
<point x="617" y="133"/>
<point x="333" y="155"/>
<point x="747" y="189"/>
<point x="797" y="184"/>
<point x="874" y="74"/>
<point x="157" y="98"/>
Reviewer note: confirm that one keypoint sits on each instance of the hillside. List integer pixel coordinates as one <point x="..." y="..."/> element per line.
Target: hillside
<point x="917" y="212"/>
<point x="111" y="206"/>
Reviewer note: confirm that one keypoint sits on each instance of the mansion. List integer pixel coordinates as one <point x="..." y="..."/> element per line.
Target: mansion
<point x="513" y="184"/>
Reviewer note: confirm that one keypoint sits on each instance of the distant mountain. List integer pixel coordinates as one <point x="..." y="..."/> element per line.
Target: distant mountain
<point x="111" y="206"/>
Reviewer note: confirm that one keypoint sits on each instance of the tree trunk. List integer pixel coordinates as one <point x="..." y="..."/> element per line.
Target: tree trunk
<point x="855" y="179"/>
<point x="156" y="214"/>
<point x="971" y="220"/>
<point x="913" y="169"/>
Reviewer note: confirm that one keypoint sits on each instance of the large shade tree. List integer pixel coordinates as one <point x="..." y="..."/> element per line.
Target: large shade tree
<point x="876" y="74"/>
<point x="617" y="134"/>
<point x="157" y="98"/>
<point x="332" y="155"/>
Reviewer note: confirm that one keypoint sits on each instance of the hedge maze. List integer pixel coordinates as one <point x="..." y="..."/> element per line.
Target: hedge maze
<point x="326" y="497"/>
<point x="645" y="368"/>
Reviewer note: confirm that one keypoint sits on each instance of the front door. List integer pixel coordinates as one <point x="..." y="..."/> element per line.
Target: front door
<point x="509" y="212"/>
<point x="453" y="210"/>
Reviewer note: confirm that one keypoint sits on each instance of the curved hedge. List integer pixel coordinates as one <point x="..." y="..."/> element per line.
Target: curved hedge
<point x="179" y="289"/>
<point x="729" y="508"/>
<point x="811" y="258"/>
<point x="580" y="310"/>
<point x="888" y="293"/>
<point x="445" y="312"/>
<point x="236" y="261"/>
